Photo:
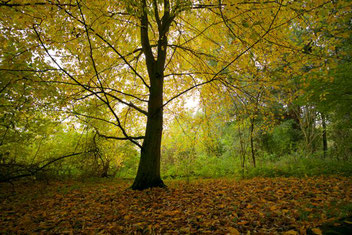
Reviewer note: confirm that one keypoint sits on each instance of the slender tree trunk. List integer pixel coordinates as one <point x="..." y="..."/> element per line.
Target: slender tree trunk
<point x="325" y="140"/>
<point x="252" y="144"/>
<point x="105" y="169"/>
<point x="242" y="152"/>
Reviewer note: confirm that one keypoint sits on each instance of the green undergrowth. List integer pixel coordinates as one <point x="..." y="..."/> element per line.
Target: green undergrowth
<point x="301" y="167"/>
<point x="219" y="167"/>
<point x="288" y="166"/>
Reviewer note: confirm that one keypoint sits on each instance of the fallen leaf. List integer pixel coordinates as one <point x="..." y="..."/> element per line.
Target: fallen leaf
<point x="233" y="231"/>
<point x="317" y="231"/>
<point x="290" y="232"/>
<point x="242" y="222"/>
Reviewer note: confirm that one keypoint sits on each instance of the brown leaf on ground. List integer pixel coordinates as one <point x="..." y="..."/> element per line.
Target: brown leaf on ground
<point x="222" y="206"/>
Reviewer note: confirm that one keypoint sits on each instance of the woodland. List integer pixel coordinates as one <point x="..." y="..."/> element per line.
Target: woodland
<point x="176" y="116"/>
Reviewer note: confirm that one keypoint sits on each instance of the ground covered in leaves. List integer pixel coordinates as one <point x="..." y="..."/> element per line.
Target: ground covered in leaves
<point x="222" y="206"/>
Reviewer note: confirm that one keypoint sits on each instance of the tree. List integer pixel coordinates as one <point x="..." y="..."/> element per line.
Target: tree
<point x="123" y="62"/>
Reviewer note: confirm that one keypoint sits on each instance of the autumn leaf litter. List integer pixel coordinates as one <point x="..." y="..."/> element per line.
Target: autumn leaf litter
<point x="222" y="206"/>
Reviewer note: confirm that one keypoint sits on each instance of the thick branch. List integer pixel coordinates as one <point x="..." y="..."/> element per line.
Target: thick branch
<point x="146" y="47"/>
<point x="156" y="13"/>
<point x="120" y="138"/>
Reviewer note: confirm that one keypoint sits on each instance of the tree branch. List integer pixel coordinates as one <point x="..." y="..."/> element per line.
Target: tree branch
<point x="119" y="138"/>
<point x="35" y="171"/>
<point x="86" y="88"/>
<point x="230" y="63"/>
<point x="49" y="3"/>
<point x="110" y="45"/>
<point x="146" y="47"/>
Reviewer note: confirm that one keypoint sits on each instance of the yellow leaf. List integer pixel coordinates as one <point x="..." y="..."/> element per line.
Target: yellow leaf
<point x="291" y="232"/>
<point x="235" y="214"/>
<point x="242" y="222"/>
<point x="172" y="213"/>
<point x="233" y="231"/>
<point x="317" y="231"/>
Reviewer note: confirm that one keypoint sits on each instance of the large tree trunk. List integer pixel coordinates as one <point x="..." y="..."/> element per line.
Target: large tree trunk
<point x="148" y="174"/>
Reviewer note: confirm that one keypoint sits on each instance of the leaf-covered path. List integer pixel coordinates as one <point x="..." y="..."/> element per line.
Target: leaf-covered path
<point x="260" y="205"/>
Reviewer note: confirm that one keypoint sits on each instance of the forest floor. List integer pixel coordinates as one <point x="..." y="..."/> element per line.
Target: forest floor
<point x="215" y="206"/>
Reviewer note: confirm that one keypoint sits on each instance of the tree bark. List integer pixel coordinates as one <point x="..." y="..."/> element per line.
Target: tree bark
<point x="325" y="140"/>
<point x="148" y="174"/>
<point x="252" y="143"/>
<point x="242" y="151"/>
